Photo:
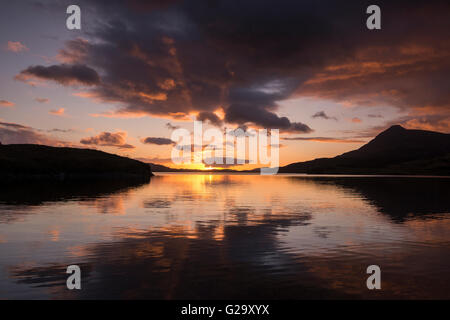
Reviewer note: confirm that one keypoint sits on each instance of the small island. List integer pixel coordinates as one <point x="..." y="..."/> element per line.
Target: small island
<point x="36" y="162"/>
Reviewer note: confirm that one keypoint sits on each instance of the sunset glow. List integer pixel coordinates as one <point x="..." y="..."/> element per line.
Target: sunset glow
<point x="67" y="86"/>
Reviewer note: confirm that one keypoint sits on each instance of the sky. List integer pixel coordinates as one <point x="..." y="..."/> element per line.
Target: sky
<point x="137" y="70"/>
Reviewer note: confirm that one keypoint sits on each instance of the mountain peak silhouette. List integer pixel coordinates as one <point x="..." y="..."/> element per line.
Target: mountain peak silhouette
<point x="394" y="151"/>
<point x="395" y="129"/>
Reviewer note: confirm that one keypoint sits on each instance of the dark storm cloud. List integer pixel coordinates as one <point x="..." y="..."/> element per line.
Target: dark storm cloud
<point x="255" y="106"/>
<point x="210" y="117"/>
<point x="64" y="74"/>
<point x="195" y="56"/>
<point x="261" y="117"/>
<point x="157" y="141"/>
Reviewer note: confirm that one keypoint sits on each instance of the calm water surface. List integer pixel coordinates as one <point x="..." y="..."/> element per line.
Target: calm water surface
<point x="227" y="236"/>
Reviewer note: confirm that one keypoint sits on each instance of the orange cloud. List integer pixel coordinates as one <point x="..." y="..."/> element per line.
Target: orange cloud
<point x="406" y="75"/>
<point x="178" y="116"/>
<point x="119" y="114"/>
<point x="16" y="46"/>
<point x="6" y="103"/>
<point x="58" y="112"/>
<point x="74" y="51"/>
<point x="84" y="94"/>
<point x="167" y="84"/>
<point x="160" y="96"/>
<point x="30" y="80"/>
<point x="440" y="125"/>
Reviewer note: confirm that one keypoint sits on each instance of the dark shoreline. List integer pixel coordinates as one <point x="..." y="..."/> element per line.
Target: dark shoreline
<point x="17" y="177"/>
<point x="23" y="162"/>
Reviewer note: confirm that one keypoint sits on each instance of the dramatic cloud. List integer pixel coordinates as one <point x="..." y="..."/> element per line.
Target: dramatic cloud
<point x="356" y="120"/>
<point x="16" y="46"/>
<point x="108" y="139"/>
<point x="259" y="116"/>
<point x="64" y="74"/>
<point x="6" y="103"/>
<point x="210" y="117"/>
<point x="157" y="141"/>
<point x="323" y="115"/>
<point x="57" y="112"/>
<point x="405" y="76"/>
<point x="193" y="57"/>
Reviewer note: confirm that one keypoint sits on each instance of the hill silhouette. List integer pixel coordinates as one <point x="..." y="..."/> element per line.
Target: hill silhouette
<point x="29" y="161"/>
<point x="394" y="151"/>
